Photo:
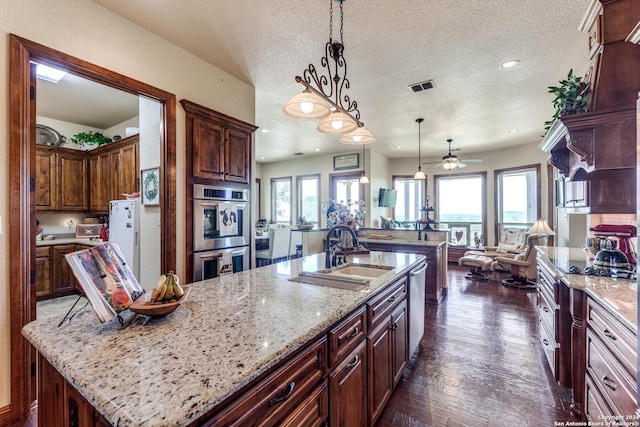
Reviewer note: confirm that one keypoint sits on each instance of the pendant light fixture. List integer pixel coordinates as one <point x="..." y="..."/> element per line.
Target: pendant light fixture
<point x="323" y="98"/>
<point x="363" y="178"/>
<point x="419" y="174"/>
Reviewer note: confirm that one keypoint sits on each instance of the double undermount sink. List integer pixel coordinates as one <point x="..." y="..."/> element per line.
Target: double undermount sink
<point x="351" y="276"/>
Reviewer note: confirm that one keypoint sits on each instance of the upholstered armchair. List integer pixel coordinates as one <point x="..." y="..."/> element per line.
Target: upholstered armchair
<point x="512" y="242"/>
<point x="522" y="266"/>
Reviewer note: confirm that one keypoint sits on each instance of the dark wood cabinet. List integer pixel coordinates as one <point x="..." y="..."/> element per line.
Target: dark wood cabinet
<point x="46" y="180"/>
<point x="611" y="191"/>
<point x="218" y="146"/>
<point x="63" y="282"/>
<point x="348" y="386"/>
<point x="43" y="272"/>
<point x="73" y="180"/>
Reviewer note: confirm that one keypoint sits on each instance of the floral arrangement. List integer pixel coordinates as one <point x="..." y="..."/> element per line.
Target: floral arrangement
<point x="477" y="240"/>
<point x="350" y="213"/>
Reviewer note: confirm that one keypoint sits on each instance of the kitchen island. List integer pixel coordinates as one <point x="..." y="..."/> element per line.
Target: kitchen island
<point x="588" y="329"/>
<point x="232" y="338"/>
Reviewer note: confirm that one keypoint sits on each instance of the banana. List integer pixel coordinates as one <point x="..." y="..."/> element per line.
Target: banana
<point x="169" y="294"/>
<point x="177" y="289"/>
<point x="155" y="293"/>
<point x="161" y="289"/>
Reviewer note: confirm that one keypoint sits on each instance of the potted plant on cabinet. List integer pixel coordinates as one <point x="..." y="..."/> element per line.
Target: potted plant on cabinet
<point x="571" y="96"/>
<point x="90" y="140"/>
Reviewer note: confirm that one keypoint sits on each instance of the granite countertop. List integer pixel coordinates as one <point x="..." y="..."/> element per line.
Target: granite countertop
<point x="620" y="296"/>
<point x="169" y="371"/>
<point x="401" y="241"/>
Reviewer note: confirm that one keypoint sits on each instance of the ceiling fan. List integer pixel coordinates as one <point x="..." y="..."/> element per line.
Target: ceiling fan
<point x="451" y="161"/>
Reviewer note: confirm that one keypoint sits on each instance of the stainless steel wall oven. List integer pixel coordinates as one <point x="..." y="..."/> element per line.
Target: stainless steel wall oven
<point x="220" y="231"/>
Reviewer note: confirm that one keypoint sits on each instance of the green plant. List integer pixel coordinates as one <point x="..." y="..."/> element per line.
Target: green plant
<point x="90" y="138"/>
<point x="571" y="97"/>
<point x="302" y="220"/>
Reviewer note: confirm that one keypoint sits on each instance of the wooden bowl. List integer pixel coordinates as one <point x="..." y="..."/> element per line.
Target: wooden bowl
<point x="144" y="305"/>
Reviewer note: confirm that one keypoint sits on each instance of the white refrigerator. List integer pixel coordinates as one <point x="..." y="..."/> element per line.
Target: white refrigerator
<point x="124" y="229"/>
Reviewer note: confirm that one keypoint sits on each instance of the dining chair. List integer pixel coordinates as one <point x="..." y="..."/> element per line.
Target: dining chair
<point x="278" y="247"/>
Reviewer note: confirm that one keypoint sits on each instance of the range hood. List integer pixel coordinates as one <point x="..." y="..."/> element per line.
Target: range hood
<point x="601" y="139"/>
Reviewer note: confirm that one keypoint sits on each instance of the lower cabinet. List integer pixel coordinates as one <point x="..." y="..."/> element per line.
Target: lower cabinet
<point x="54" y="277"/>
<point x="43" y="272"/>
<point x="63" y="279"/>
<point x="611" y="365"/>
<point x="342" y="378"/>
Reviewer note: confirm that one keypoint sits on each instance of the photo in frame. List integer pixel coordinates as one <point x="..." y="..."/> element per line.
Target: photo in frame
<point x="346" y="161"/>
<point x="150" y="186"/>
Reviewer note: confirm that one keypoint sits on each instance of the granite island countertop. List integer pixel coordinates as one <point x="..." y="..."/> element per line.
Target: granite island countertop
<point x="170" y="371"/>
<point x="620" y="296"/>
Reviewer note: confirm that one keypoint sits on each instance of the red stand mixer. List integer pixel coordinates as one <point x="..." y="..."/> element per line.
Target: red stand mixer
<point x="625" y="235"/>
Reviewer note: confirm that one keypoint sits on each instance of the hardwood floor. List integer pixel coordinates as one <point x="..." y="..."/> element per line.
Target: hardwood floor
<point x="480" y="363"/>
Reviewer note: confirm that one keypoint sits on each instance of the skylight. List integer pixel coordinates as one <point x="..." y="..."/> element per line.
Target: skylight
<point x="49" y="74"/>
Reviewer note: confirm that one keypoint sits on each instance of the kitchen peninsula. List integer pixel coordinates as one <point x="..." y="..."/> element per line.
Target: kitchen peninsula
<point x="252" y="344"/>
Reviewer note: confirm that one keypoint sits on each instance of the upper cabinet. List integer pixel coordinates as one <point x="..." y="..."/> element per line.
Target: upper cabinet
<point x="73" y="180"/>
<point x="595" y="146"/>
<point x="218" y="146"/>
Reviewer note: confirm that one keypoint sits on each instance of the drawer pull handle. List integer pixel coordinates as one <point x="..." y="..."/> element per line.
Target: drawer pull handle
<point x="609" y="383"/>
<point x="287" y="394"/>
<point x="394" y="326"/>
<point x="545" y="309"/>
<point x="392" y="299"/>
<point x="545" y="341"/>
<point x="353" y="333"/>
<point x="353" y="363"/>
<point x="609" y="335"/>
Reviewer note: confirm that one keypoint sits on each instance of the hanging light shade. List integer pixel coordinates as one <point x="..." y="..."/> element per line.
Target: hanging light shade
<point x="363" y="179"/>
<point x="419" y="174"/>
<point x="337" y="122"/>
<point x="449" y="165"/>
<point x="306" y="106"/>
<point x="359" y="136"/>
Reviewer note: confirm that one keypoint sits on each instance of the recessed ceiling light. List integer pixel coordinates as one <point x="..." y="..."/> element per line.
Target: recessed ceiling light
<point x="397" y="147"/>
<point x="513" y="131"/>
<point x="510" y="64"/>
<point x="264" y="130"/>
<point x="317" y="149"/>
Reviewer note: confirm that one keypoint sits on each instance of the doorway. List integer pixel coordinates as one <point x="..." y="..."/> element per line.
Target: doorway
<point x="22" y="228"/>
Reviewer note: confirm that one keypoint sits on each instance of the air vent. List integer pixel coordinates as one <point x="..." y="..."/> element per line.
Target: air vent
<point x="418" y="87"/>
<point x="298" y="154"/>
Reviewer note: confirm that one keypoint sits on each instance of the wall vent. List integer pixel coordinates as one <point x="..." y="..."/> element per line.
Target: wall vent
<point x="418" y="87"/>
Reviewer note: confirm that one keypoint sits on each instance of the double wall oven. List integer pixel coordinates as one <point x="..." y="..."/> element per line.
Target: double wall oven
<point x="220" y="231"/>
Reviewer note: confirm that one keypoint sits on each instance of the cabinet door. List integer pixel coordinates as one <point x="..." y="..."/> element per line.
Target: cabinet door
<point x="380" y="358"/>
<point x="129" y="169"/>
<point x="400" y="334"/>
<point x="78" y="411"/>
<point x="114" y="164"/>
<point x="43" y="276"/>
<point x="105" y="181"/>
<point x="46" y="180"/>
<point x="236" y="154"/>
<point x="348" y="385"/>
<point x="615" y="194"/>
<point x="73" y="182"/>
<point x="50" y="394"/>
<point x="313" y="412"/>
<point x="208" y="140"/>
<point x="63" y="279"/>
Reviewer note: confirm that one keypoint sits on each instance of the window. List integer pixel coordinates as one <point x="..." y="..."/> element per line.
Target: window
<point x="517" y="197"/>
<point x="345" y="187"/>
<point x="309" y="198"/>
<point x="461" y="207"/>
<point x="281" y="200"/>
<point x="411" y="195"/>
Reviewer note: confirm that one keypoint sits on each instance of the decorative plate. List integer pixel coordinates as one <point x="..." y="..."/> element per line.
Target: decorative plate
<point x="144" y="305"/>
<point x="48" y="136"/>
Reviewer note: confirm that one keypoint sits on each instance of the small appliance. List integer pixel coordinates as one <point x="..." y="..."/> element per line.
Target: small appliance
<point x="625" y="234"/>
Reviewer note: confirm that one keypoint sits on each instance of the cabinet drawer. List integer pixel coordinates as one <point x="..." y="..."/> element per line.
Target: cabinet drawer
<point x="42" y="251"/>
<point x="547" y="315"/>
<point x="595" y="406"/>
<point x="346" y="336"/>
<point x="617" y="388"/>
<point x="274" y="399"/>
<point x="547" y="285"/>
<point x="617" y="338"/>
<point x="314" y="411"/>
<point x="550" y="348"/>
<point x="380" y="306"/>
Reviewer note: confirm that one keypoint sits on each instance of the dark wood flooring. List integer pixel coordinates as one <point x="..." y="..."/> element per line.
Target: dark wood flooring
<point x="480" y="363"/>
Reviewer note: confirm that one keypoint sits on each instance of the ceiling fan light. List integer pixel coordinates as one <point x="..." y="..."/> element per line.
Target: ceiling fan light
<point x="449" y="165"/>
<point x="306" y="106"/>
<point x="359" y="136"/>
<point x="337" y="122"/>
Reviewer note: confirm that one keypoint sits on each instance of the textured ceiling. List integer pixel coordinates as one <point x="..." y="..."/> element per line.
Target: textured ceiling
<point x="460" y="44"/>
